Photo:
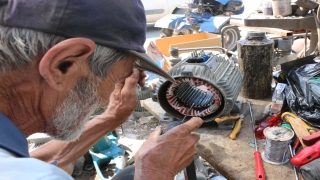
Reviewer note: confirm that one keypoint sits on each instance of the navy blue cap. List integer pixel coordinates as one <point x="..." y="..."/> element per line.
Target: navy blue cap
<point x="119" y="24"/>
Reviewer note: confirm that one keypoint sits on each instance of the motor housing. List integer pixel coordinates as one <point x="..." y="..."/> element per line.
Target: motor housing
<point x="208" y="83"/>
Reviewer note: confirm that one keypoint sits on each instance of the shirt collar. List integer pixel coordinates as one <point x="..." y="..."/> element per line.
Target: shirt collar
<point x="11" y="137"/>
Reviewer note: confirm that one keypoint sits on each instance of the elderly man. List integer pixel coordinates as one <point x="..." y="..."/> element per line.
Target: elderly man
<point x="59" y="61"/>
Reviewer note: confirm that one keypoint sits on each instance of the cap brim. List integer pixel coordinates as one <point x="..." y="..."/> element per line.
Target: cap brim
<point x="144" y="62"/>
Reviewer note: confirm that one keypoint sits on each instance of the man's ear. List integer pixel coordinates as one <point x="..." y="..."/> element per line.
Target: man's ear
<point x="66" y="61"/>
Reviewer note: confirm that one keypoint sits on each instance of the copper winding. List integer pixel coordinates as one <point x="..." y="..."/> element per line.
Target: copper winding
<point x="211" y="96"/>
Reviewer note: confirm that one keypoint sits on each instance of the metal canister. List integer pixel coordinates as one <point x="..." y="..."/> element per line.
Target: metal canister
<point x="255" y="53"/>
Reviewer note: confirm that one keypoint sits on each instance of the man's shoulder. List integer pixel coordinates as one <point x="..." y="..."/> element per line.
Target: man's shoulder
<point x="29" y="169"/>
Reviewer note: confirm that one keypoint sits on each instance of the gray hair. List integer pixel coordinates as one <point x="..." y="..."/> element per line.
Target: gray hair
<point x="19" y="47"/>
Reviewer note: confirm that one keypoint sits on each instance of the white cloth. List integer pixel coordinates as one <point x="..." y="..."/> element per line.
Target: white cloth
<point x="17" y="168"/>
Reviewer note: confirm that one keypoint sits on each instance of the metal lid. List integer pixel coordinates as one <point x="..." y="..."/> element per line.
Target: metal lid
<point x="278" y="133"/>
<point x="255" y="38"/>
<point x="256" y="35"/>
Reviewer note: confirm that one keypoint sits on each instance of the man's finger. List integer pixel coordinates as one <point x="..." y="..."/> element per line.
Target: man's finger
<point x="195" y="136"/>
<point x="191" y="125"/>
<point x="131" y="81"/>
<point x="118" y="87"/>
<point x="142" y="78"/>
<point x="156" y="133"/>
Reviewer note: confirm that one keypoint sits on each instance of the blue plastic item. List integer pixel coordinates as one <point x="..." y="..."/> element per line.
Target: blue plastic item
<point x="107" y="151"/>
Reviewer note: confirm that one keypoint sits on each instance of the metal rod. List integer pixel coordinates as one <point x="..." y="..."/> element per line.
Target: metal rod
<point x="209" y="47"/>
<point x="294" y="167"/>
<point x="252" y="122"/>
<point x="260" y="175"/>
<point x="187" y="113"/>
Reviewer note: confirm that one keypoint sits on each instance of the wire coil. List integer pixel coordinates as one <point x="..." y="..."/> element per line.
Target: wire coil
<point x="276" y="145"/>
<point x="185" y="92"/>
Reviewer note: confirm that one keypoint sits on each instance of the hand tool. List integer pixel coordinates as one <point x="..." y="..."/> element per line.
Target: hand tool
<point x="288" y="117"/>
<point x="257" y="156"/>
<point x="294" y="167"/>
<point x="229" y="125"/>
<point x="183" y="120"/>
<point x="306" y="155"/>
<point x="237" y="128"/>
<point x="190" y="169"/>
<point x="297" y="124"/>
<point x="227" y="118"/>
<point x="311" y="139"/>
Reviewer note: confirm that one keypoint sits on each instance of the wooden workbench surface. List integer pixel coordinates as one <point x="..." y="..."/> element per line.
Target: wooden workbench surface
<point x="234" y="159"/>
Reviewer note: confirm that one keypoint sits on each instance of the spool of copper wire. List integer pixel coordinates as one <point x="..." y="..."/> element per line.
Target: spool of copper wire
<point x="276" y="146"/>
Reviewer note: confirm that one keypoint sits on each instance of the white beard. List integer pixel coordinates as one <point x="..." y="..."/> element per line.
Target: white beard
<point x="72" y="115"/>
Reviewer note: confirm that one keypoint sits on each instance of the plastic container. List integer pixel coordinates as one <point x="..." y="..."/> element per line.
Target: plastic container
<point x="281" y="7"/>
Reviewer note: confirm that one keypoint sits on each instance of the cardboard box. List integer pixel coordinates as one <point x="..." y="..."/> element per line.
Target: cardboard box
<point x="188" y="41"/>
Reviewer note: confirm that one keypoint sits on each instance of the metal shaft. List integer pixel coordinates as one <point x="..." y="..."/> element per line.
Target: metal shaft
<point x="252" y="123"/>
<point x="294" y="167"/>
<point x="260" y="175"/>
<point x="187" y="113"/>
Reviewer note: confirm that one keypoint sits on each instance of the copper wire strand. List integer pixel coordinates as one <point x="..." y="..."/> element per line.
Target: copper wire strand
<point x="185" y="89"/>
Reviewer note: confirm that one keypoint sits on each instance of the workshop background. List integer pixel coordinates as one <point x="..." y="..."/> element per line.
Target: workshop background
<point x="248" y="68"/>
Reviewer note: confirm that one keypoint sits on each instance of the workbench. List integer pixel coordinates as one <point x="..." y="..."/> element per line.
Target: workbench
<point x="234" y="159"/>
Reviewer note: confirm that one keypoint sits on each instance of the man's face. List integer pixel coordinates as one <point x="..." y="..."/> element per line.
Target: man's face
<point x="89" y="94"/>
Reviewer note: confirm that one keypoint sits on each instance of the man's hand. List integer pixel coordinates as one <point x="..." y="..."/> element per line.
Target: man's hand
<point x="163" y="156"/>
<point x="142" y="78"/>
<point x="123" y="99"/>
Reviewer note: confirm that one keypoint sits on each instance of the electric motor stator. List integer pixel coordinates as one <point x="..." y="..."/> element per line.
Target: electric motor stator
<point x="208" y="83"/>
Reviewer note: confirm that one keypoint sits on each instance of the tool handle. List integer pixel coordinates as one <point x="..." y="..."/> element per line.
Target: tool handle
<point x="236" y="129"/>
<point x="288" y="117"/>
<point x="259" y="166"/>
<point x="306" y="155"/>
<point x="191" y="171"/>
<point x="311" y="139"/>
<point x="226" y="118"/>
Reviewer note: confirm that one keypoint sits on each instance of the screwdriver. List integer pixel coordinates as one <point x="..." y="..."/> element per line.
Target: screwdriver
<point x="176" y="123"/>
<point x="257" y="156"/>
<point x="183" y="120"/>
